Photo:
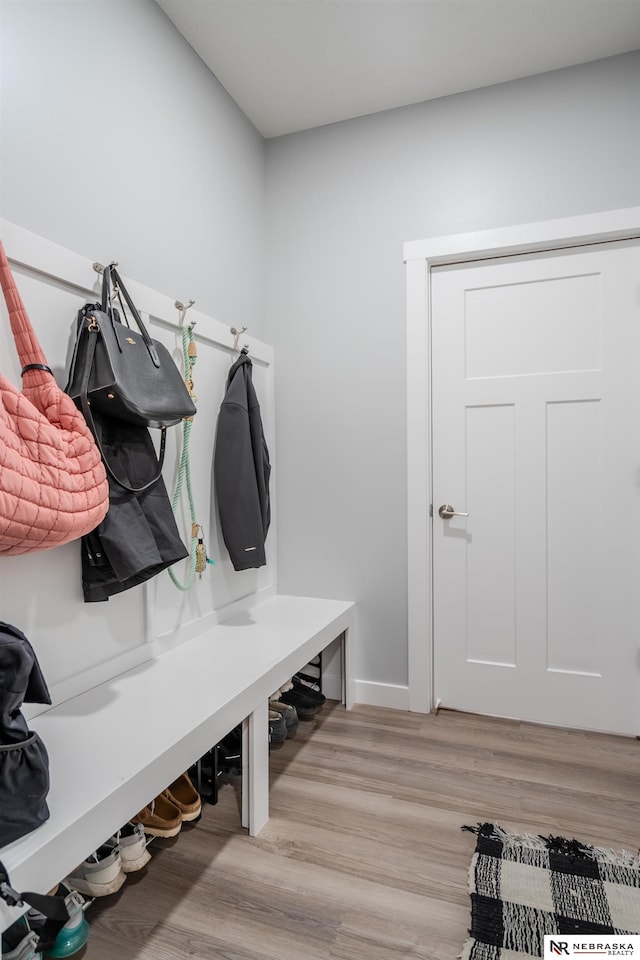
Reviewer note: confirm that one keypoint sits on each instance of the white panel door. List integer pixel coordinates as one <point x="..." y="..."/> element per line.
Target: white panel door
<point x="536" y="435"/>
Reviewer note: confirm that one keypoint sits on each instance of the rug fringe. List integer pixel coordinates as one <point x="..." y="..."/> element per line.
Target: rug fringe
<point x="471" y="874"/>
<point x="466" y="950"/>
<point x="618" y="858"/>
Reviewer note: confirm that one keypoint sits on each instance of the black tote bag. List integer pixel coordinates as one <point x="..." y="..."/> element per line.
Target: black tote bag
<point x="24" y="763"/>
<point x="119" y="370"/>
<point x="24" y="785"/>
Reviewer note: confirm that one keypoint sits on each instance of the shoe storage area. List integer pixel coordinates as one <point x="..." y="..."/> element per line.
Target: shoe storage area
<point x="105" y="870"/>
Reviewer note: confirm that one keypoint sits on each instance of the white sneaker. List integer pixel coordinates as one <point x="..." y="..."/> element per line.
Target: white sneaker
<point x="100" y="874"/>
<point x="27" y="949"/>
<point x="132" y="842"/>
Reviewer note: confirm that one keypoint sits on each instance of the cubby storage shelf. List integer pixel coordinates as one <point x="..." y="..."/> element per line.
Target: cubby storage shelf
<point x="116" y="746"/>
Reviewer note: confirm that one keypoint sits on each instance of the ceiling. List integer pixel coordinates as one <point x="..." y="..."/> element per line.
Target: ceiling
<point x="295" y="64"/>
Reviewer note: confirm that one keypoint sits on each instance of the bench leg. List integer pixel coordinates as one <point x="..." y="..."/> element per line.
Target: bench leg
<point x="255" y="770"/>
<point x="348" y="685"/>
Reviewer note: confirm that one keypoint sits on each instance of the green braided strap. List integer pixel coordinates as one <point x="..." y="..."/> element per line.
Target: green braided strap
<point x="184" y="472"/>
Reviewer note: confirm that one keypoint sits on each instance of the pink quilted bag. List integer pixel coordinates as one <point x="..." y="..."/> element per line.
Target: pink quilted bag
<point x="53" y="486"/>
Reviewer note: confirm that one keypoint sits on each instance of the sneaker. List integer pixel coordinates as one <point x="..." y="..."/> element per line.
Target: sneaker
<point x="160" y="818"/>
<point x="309" y="690"/>
<point x="133" y="847"/>
<point x="19" y="942"/>
<point x="100" y="874"/>
<point x="34" y="936"/>
<point x="75" y="932"/>
<point x="186" y="798"/>
<point x="289" y="713"/>
<point x="277" y="727"/>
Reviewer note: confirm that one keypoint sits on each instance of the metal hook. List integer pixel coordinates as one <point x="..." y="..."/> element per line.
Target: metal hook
<point x="99" y="267"/>
<point x="236" y="336"/>
<point x="180" y="307"/>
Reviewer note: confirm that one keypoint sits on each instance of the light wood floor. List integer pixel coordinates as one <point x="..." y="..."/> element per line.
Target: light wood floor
<point x="363" y="857"/>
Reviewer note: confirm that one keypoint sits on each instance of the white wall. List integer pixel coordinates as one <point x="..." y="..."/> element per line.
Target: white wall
<point x="342" y="200"/>
<point x="118" y="143"/>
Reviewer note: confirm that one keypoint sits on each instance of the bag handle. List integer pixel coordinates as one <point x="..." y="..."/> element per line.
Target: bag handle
<point x="54" y="909"/>
<point x="111" y="280"/>
<point x="29" y="350"/>
<point x="93" y="329"/>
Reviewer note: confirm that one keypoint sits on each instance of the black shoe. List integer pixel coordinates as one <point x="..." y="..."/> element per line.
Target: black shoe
<point x="306" y="708"/>
<point x="233" y="740"/>
<point x="230" y="752"/>
<point x="309" y="678"/>
<point x="308" y="690"/>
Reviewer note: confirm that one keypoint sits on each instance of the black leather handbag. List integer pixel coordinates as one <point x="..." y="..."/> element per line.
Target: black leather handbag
<point x="122" y="373"/>
<point x="118" y="368"/>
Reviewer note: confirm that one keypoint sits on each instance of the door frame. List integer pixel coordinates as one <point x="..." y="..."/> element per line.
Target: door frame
<point x="420" y="256"/>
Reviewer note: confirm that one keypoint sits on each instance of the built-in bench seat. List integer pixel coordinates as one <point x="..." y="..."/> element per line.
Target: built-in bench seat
<point x="116" y="746"/>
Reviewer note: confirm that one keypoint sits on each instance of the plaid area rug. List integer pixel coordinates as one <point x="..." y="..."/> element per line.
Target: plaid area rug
<point x="523" y="887"/>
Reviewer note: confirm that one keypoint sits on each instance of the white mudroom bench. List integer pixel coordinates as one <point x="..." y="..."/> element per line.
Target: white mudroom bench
<point x="114" y="747"/>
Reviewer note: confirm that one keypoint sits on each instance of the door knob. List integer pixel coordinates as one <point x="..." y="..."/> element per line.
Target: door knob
<point x="446" y="511"/>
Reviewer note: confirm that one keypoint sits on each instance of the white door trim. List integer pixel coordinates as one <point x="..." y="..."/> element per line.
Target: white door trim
<point x="420" y="257"/>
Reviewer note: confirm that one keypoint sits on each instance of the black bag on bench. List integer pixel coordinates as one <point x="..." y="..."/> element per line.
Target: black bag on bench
<point x="24" y="763"/>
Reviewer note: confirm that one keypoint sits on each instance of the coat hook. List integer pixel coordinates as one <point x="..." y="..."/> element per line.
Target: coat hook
<point x="180" y="307"/>
<point x="236" y="336"/>
<point x="99" y="267"/>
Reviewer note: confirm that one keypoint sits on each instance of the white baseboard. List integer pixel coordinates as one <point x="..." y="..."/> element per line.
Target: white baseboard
<point x="374" y="694"/>
<point x="382" y="694"/>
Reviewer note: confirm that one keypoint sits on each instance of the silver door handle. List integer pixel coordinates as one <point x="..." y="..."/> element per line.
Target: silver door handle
<point x="446" y="511"/>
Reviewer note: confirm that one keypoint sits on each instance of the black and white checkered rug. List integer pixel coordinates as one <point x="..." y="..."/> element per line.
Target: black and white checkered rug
<point x="523" y="887"/>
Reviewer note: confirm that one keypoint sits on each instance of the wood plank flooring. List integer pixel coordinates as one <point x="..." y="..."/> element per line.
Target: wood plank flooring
<point x="363" y="857"/>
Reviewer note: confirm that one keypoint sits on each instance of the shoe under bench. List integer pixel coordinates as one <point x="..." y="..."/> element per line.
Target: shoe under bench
<point x="116" y="746"/>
